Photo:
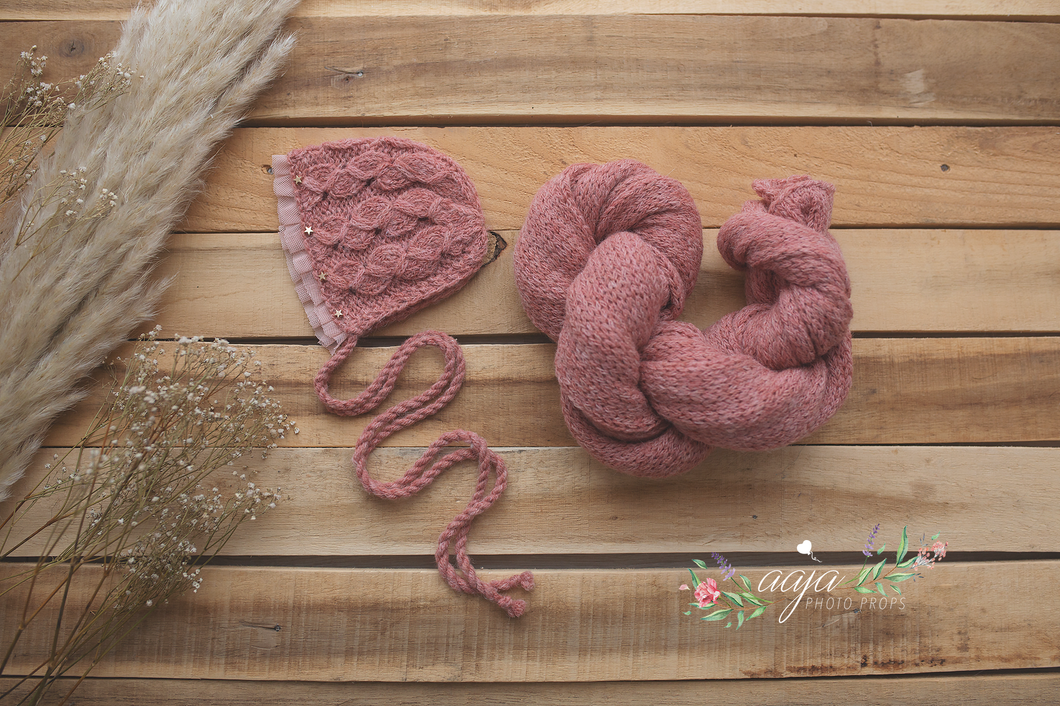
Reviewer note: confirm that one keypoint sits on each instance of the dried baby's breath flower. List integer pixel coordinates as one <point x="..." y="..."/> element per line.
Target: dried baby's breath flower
<point x="33" y="111"/>
<point x="138" y="500"/>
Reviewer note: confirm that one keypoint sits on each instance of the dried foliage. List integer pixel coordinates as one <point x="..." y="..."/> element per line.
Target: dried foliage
<point x="83" y="224"/>
<point x="35" y="109"/>
<point x="94" y="173"/>
<point x="128" y="517"/>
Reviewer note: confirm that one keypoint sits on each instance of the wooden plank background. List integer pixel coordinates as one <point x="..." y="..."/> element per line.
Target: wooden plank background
<point x="562" y="68"/>
<point x="586" y="625"/>
<point x="939" y="123"/>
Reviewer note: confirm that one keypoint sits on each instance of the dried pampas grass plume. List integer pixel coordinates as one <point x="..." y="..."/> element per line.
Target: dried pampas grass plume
<point x="75" y="289"/>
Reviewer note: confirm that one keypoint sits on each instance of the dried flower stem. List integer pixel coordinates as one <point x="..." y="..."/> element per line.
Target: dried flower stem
<point x="136" y="501"/>
<point x="34" y="111"/>
<point x="73" y="274"/>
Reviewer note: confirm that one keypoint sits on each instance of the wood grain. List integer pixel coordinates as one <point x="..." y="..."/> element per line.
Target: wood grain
<point x="1014" y="9"/>
<point x="571" y="69"/>
<point x="930" y="390"/>
<point x="561" y="502"/>
<point x="581" y="626"/>
<point x="906" y="390"/>
<point x="964" y="690"/>
<point x="923" y="281"/>
<point x="901" y="176"/>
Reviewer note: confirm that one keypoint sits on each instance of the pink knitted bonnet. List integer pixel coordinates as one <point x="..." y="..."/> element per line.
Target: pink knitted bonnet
<point x="605" y="260"/>
<point x="375" y="229"/>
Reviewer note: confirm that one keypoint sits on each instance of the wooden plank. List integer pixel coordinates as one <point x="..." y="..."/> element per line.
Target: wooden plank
<point x="581" y="625"/>
<point x="904" y="388"/>
<point x="927" y="176"/>
<point x="1015" y="9"/>
<point x="451" y="70"/>
<point x="964" y="690"/>
<point x="906" y="391"/>
<point x="561" y="502"/>
<point x="569" y="69"/>
<point x="993" y="177"/>
<point x="923" y="281"/>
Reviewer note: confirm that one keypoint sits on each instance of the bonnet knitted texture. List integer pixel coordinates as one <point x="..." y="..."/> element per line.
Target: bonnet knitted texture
<point x="374" y="230"/>
<point x="605" y="260"/>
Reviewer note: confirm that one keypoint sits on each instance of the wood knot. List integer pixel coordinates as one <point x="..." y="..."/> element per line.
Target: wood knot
<point x="72" y="48"/>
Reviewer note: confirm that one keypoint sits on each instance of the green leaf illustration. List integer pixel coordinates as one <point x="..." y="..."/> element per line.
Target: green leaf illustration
<point x="752" y="599"/>
<point x="758" y="612"/>
<point x="907" y="563"/>
<point x="899" y="577"/>
<point x="934" y="538"/>
<point x="717" y="615"/>
<point x="861" y="577"/>
<point x="728" y="625"/>
<point x="734" y="597"/>
<point x="695" y="579"/>
<point x="896" y="590"/>
<point x="880" y="550"/>
<point x="739" y="620"/>
<point x="688" y="612"/>
<point x="876" y="571"/>
<point x="862" y="589"/>
<point x="880" y="588"/>
<point x="700" y="564"/>
<point x="903" y="546"/>
<point x="746" y="583"/>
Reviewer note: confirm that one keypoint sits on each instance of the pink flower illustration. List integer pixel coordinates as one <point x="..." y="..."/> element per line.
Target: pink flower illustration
<point x="707" y="592"/>
<point x="927" y="556"/>
<point x="683" y="587"/>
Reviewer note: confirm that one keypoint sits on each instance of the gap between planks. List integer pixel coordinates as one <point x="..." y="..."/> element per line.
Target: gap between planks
<point x="407" y="625"/>
<point x="983" y="689"/>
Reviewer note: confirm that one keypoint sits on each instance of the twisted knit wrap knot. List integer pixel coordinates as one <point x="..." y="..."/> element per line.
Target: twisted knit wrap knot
<point x="605" y="260"/>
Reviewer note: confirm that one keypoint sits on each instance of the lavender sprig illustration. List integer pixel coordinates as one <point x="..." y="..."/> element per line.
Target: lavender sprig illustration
<point x="870" y="545"/>
<point x="726" y="569"/>
<point x="871" y="577"/>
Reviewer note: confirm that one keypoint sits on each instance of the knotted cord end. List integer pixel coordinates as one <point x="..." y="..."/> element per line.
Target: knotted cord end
<point x="514" y="608"/>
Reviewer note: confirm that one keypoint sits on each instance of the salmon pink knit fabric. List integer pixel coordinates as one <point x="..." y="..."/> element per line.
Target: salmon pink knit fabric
<point x="375" y="229"/>
<point x="606" y="258"/>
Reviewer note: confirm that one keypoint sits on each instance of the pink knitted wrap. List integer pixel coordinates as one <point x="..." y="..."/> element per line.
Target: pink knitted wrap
<point x="374" y="230"/>
<point x="604" y="262"/>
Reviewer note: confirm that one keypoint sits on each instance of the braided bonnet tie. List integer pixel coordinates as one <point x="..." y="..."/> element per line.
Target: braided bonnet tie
<point x="604" y="262"/>
<point x="375" y="229"/>
<point x="429" y="466"/>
